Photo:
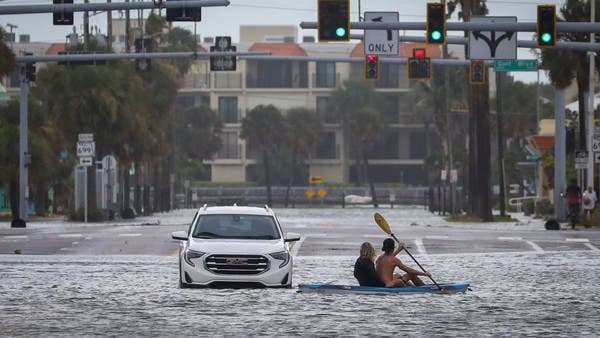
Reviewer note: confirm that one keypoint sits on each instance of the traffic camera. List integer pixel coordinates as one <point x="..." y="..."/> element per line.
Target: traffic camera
<point x="436" y="23"/>
<point x="371" y="67"/>
<point x="333" y="20"/>
<point x="477" y="72"/>
<point x="62" y="18"/>
<point x="183" y="13"/>
<point x="419" y="66"/>
<point x="546" y="25"/>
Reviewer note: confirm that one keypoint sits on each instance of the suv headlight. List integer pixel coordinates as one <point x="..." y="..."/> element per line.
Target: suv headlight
<point x="189" y="254"/>
<point x="282" y="256"/>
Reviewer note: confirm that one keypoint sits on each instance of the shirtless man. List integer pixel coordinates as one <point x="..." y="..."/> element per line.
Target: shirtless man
<point x="387" y="262"/>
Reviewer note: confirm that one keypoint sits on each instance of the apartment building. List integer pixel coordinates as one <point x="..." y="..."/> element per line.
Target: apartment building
<point x="398" y="156"/>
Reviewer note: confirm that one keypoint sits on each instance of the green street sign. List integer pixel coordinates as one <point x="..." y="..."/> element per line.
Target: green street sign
<point x="515" y="65"/>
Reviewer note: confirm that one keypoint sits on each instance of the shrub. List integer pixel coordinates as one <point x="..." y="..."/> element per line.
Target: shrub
<point x="528" y="207"/>
<point x="94" y="215"/>
<point x="544" y="207"/>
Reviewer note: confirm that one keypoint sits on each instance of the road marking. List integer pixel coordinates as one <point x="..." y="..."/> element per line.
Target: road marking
<point x="67" y="249"/>
<point x="175" y="253"/>
<point x="297" y="245"/>
<point x="436" y="237"/>
<point x="591" y="246"/>
<point x="510" y="238"/>
<point x="319" y="235"/>
<point x="16" y="237"/>
<point x="577" y="240"/>
<point x="70" y="235"/>
<point x="535" y="247"/>
<point x="420" y="246"/>
<point x="74" y="243"/>
<point x="129" y="235"/>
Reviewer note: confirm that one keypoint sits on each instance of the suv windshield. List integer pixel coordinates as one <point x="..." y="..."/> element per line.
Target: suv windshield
<point x="236" y="226"/>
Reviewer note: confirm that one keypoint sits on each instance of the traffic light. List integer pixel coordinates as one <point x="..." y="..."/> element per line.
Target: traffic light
<point x="477" y="72"/>
<point x="28" y="69"/>
<point x="546" y="25"/>
<point x="183" y="13"/>
<point x="371" y="67"/>
<point x="419" y="66"/>
<point x="62" y="18"/>
<point x="436" y="23"/>
<point x="334" y="20"/>
<point x="143" y="46"/>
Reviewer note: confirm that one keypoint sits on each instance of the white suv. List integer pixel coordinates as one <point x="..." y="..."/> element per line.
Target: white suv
<point x="235" y="246"/>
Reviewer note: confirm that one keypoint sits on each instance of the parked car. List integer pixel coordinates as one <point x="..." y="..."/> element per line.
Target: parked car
<point x="235" y="246"/>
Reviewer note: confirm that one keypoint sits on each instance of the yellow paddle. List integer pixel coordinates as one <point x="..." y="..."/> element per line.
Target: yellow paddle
<point x="383" y="224"/>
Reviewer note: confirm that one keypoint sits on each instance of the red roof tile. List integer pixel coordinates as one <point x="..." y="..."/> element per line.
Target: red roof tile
<point x="404" y="49"/>
<point x="55" y="48"/>
<point x="278" y="48"/>
<point x="542" y="142"/>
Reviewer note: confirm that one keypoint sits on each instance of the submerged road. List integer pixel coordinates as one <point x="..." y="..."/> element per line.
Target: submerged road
<point x="324" y="232"/>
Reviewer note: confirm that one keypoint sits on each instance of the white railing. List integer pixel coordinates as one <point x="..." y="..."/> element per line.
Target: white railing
<point x="518" y="201"/>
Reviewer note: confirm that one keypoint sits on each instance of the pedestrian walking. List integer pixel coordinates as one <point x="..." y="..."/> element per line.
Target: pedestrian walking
<point x="573" y="194"/>
<point x="589" y="200"/>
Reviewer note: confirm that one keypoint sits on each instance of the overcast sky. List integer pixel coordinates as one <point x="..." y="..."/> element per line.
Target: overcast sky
<point x="225" y="21"/>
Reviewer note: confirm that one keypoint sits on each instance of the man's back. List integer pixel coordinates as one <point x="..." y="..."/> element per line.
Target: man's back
<point x="385" y="267"/>
<point x="573" y="192"/>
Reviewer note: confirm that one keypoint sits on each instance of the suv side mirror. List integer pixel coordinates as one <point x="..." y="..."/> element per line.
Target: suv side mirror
<point x="292" y="237"/>
<point x="179" y="235"/>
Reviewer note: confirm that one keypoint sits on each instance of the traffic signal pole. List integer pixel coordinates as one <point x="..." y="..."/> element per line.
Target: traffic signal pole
<point x="23" y="144"/>
<point x="99" y="7"/>
<point x="591" y="107"/>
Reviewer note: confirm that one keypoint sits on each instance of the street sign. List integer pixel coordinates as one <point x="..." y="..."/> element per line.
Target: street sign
<point x="86" y="149"/>
<point x="381" y="42"/>
<point x="489" y="45"/>
<point x="85" y="137"/>
<point x="596" y="144"/>
<point x="85" y="161"/>
<point x="581" y="159"/>
<point x="516" y="65"/>
<point x="313" y="179"/>
<point x="223" y="63"/>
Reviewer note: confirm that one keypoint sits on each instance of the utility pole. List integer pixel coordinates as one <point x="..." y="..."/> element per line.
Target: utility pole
<point x="127" y="37"/>
<point x="109" y="27"/>
<point x="501" y="184"/>
<point x="86" y="27"/>
<point x="591" y="108"/>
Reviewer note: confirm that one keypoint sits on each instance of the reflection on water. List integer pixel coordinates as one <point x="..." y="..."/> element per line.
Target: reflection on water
<point x="553" y="294"/>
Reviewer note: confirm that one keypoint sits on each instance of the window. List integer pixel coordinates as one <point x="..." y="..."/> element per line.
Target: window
<point x="277" y="74"/>
<point x="389" y="76"/>
<point x="326" y="148"/>
<point x="228" y="110"/>
<point x="185" y="101"/>
<point x="324" y="110"/>
<point x="325" y="75"/>
<point x="229" y="145"/>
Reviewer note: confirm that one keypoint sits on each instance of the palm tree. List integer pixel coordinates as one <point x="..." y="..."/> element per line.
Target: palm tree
<point x="7" y="57"/>
<point x="354" y="104"/>
<point x="303" y="130"/>
<point x="263" y="128"/>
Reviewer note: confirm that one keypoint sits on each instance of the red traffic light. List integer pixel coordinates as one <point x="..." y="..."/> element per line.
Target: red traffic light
<point x="371" y="57"/>
<point x="419" y="53"/>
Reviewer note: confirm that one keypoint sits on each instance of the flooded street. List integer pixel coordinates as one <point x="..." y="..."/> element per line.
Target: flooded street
<point x="514" y="294"/>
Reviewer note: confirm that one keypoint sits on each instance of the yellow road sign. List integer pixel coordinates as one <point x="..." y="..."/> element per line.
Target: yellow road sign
<point x="313" y="179"/>
<point x="322" y="192"/>
<point x="310" y="192"/>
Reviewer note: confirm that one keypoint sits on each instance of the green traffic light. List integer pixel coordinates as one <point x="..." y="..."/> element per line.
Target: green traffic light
<point x="436" y="35"/>
<point x="546" y="37"/>
<point x="340" y="32"/>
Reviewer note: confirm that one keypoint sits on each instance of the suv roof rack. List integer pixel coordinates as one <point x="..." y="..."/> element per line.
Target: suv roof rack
<point x="204" y="207"/>
<point x="267" y="208"/>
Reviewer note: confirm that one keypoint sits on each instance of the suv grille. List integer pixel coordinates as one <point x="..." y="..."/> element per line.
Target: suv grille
<point x="237" y="264"/>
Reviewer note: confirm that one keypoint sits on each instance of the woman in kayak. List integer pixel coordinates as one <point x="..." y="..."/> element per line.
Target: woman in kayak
<point x="387" y="262"/>
<point x="364" y="268"/>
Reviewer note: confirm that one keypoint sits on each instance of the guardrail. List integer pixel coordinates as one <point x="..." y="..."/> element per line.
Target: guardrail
<point x="518" y="201"/>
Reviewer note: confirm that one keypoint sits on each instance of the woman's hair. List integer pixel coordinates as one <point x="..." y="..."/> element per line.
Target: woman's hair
<point x="367" y="251"/>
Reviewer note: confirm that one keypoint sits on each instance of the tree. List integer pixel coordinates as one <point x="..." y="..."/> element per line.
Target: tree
<point x="7" y="57"/>
<point x="263" y="128"/>
<point x="574" y="63"/>
<point x="197" y="135"/>
<point x="354" y="105"/>
<point x="303" y="130"/>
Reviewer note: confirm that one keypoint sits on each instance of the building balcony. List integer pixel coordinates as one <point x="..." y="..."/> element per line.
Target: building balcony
<point x="227" y="80"/>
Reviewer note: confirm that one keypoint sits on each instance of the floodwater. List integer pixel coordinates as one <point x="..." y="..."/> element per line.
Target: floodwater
<point x="514" y="294"/>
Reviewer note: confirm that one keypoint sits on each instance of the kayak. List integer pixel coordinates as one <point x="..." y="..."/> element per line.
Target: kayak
<point x="428" y="288"/>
